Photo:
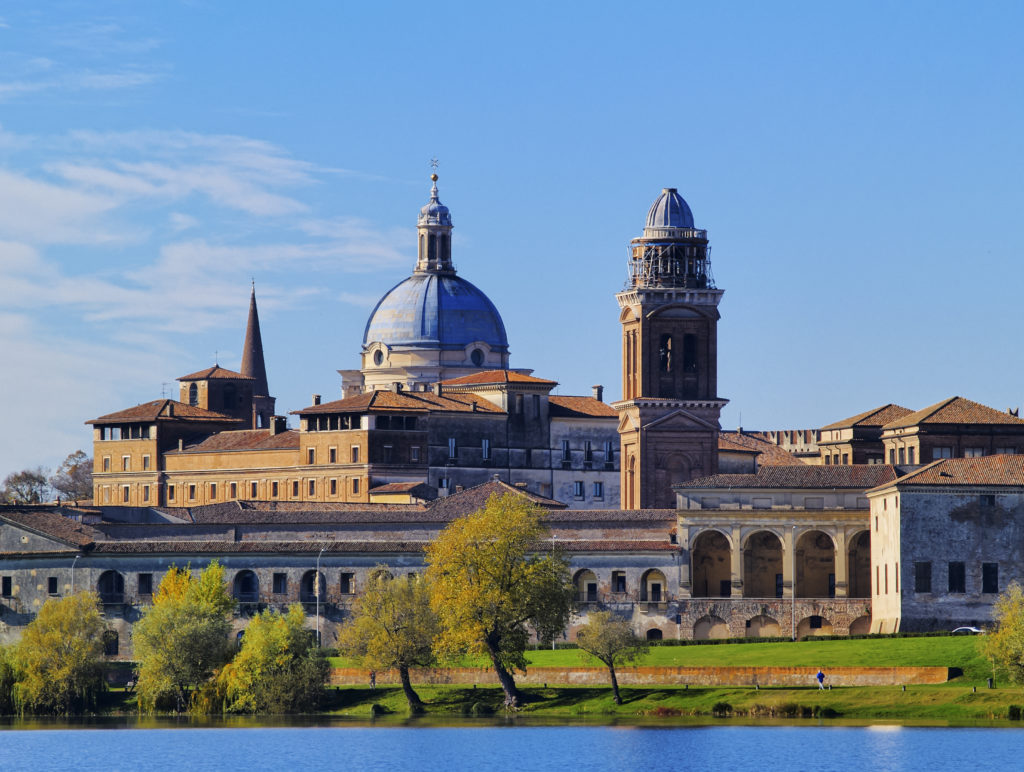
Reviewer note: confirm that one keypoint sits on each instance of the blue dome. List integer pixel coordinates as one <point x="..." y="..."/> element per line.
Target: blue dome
<point x="435" y="311"/>
<point x="669" y="210"/>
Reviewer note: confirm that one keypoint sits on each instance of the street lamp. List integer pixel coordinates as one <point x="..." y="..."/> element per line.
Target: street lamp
<point x="553" y="537"/>
<point x="73" y="573"/>
<point x="316" y="593"/>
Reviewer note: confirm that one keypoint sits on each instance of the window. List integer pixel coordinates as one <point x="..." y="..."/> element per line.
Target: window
<point x="974" y="452"/>
<point x="519" y="404"/>
<point x="332" y="455"/>
<point x="273" y="489"/>
<point x="170" y="493"/>
<point x="295" y="489"/>
<point x="124" y="494"/>
<point x="665" y="354"/>
<point x="312" y="487"/>
<point x="957" y="577"/>
<point x="846" y="458"/>
<point x="280" y="584"/>
<point x="213" y="491"/>
<point x="106" y="463"/>
<point x="815" y="622"/>
<point x="892" y="456"/>
<point x="588" y="452"/>
<point x="5" y="587"/>
<point x="389" y="453"/>
<point x="254" y="490"/>
<point x="828" y="460"/>
<point x="618" y="581"/>
<point x="923" y="576"/>
<point x="51" y="585"/>
<point x="145" y="584"/>
<point x="451" y="447"/>
<point x="193" y="395"/>
<point x="566" y="455"/>
<point x="233" y="491"/>
<point x="355" y="485"/>
<point x="598" y="490"/>
<point x="987" y="500"/>
<point x="477" y="357"/>
<point x="126" y="463"/>
<point x="609" y="453"/>
<point x="106" y="494"/>
<point x="577" y="489"/>
<point x="902" y="455"/>
<point x="778" y="585"/>
<point x="192" y="492"/>
<point x="310" y="456"/>
<point x="885" y="573"/>
<point x="1005" y="451"/>
<point x="990" y="578"/>
<point x="145" y="463"/>
<point x="355" y="454"/>
<point x="945" y="452"/>
<point x="444" y="482"/>
<point x="485" y="449"/>
<point x="334" y="487"/>
<point x="347" y="585"/>
<point x="414" y="453"/>
<point x="910" y="456"/>
<point x="145" y="493"/>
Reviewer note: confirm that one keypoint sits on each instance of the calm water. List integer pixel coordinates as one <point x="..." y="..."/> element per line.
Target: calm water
<point x="733" y="748"/>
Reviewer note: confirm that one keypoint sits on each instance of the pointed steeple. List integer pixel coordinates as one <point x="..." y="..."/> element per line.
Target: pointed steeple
<point x="252" y="351"/>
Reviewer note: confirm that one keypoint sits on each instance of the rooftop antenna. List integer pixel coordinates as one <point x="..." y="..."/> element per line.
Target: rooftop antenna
<point x="216" y="358"/>
<point x="163" y="389"/>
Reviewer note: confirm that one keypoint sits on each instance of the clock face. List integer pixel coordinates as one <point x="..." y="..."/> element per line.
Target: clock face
<point x="378" y="357"/>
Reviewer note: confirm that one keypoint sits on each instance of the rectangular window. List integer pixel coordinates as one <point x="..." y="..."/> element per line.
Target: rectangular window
<point x="896" y="577"/>
<point x="310" y="456"/>
<point x="598" y="490"/>
<point x="145" y="463"/>
<point x="273" y="489"/>
<point x="892" y="456"/>
<point x="1005" y="451"/>
<point x="355" y="485"/>
<point x="618" y="581"/>
<point x="126" y="463"/>
<point x="974" y="452"/>
<point x="444" y="482"/>
<point x="957" y="577"/>
<point x="170" y="493"/>
<point x="295" y="489"/>
<point x="990" y="578"/>
<point x="5" y="587"/>
<point x="312" y="487"/>
<point x="828" y="460"/>
<point x="280" y="583"/>
<point x="885" y="574"/>
<point x="835" y="459"/>
<point x="945" y="452"/>
<point x="389" y="454"/>
<point x="778" y="585"/>
<point x="332" y="455"/>
<point x="355" y="454"/>
<point x="347" y="584"/>
<point x="106" y="463"/>
<point x="485" y="449"/>
<point x="213" y="491"/>
<point x="846" y="458"/>
<point x="191" y="492"/>
<point x="51" y="585"/>
<point x="106" y="494"/>
<point x="254" y="490"/>
<point x="902" y="455"/>
<point x="878" y="585"/>
<point x="923" y="576"/>
<point x="145" y="493"/>
<point x="577" y="489"/>
<point x="609" y="453"/>
<point x="566" y="454"/>
<point x="987" y="499"/>
<point x="233" y="491"/>
<point x="910" y="455"/>
<point x="451" y="447"/>
<point x="414" y="453"/>
<point x="334" y="487"/>
<point x="588" y="451"/>
<point x="145" y="584"/>
<point x="124" y="494"/>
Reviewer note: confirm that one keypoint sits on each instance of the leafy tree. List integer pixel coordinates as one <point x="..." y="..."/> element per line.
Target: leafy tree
<point x="1005" y="644"/>
<point x="611" y="639"/>
<point x="8" y="678"/>
<point x="73" y="478"/>
<point x="28" y="486"/>
<point x="491" y="577"/>
<point x="279" y="669"/>
<point x="59" y="657"/>
<point x="182" y="639"/>
<point x="393" y="627"/>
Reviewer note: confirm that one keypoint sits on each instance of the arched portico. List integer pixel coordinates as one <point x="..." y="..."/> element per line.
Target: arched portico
<point x="585" y="582"/>
<point x="859" y="566"/>
<point x="815" y="565"/>
<point x="710" y="626"/>
<point x="711" y="565"/>
<point x="763" y="626"/>
<point x="763" y="566"/>
<point x="653" y="586"/>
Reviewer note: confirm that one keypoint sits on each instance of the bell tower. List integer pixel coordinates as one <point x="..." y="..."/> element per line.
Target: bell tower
<point x="668" y="417"/>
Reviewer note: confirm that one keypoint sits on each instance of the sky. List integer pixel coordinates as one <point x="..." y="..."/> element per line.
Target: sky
<point x="858" y="167"/>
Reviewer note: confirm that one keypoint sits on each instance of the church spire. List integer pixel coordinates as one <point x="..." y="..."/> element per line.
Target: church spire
<point x="435" y="235"/>
<point x="252" y="350"/>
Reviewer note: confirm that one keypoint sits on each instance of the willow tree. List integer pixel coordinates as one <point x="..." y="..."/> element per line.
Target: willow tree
<point x="493" y="581"/>
<point x="393" y="626"/>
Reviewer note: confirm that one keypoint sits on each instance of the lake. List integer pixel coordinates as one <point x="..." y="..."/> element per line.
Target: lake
<point x="486" y="746"/>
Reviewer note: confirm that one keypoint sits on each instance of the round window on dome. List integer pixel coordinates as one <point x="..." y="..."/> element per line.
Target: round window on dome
<point x="378" y="357"/>
<point x="477" y="357"/>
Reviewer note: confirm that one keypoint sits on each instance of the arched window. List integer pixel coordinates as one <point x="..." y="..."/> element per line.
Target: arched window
<point x="110" y="587"/>
<point x="665" y="353"/>
<point x="247" y="587"/>
<point x="431" y="247"/>
<point x="193" y="395"/>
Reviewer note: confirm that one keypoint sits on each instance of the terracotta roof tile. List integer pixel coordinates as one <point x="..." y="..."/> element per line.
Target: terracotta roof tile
<point x="987" y="470"/>
<point x="163" y="410"/>
<point x="769" y="454"/>
<point x="215" y="372"/>
<point x="956" y="410"/>
<point x="418" y="489"/>
<point x="497" y="376"/>
<point x="855" y="476"/>
<point x="579" y="407"/>
<point x="472" y="499"/>
<point x="245" y="439"/>
<point x="878" y="416"/>
<point x="416" y="401"/>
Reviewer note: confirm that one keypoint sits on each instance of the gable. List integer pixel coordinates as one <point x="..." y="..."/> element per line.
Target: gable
<point x="680" y="421"/>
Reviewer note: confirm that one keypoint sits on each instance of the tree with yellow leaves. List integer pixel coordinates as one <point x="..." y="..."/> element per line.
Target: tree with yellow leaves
<point x="493" y="581"/>
<point x="1005" y="644"/>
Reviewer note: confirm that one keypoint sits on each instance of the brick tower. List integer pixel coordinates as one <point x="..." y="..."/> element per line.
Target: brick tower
<point x="668" y="416"/>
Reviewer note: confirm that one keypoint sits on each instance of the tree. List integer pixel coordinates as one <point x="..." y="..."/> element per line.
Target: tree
<point x="8" y="679"/>
<point x="28" y="486"/>
<point x="611" y="639"/>
<point x="279" y="669"/>
<point x="393" y="626"/>
<point x="183" y="637"/>
<point x="59" y="659"/>
<point x="1005" y="645"/>
<point x="491" y="578"/>
<point x="73" y="478"/>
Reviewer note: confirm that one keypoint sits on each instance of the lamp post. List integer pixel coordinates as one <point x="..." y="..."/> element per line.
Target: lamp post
<point x="73" y="573"/>
<point x="316" y="593"/>
<point x="792" y="589"/>
<point x="553" y="537"/>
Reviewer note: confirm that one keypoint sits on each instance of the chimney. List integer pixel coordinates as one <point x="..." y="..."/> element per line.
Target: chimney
<point x="459" y="489"/>
<point x="598" y="392"/>
<point x="496" y="476"/>
<point x="278" y="424"/>
<point x="181" y="444"/>
<point x="396" y="386"/>
<point x="439" y="389"/>
<point x="316" y="399"/>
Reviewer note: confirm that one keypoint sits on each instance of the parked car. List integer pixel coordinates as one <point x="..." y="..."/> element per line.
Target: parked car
<point x="968" y="631"/>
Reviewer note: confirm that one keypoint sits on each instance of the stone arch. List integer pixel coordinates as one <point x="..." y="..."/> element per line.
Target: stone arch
<point x="308" y="587"/>
<point x="859" y="565"/>
<point x="763" y="626"/>
<point x="246" y="587"/>
<point x="861" y="625"/>
<point x="762" y="565"/>
<point x="709" y="627"/>
<point x="110" y="587"/>
<point x="585" y="582"/>
<point x="655" y="634"/>
<point x="809" y="627"/>
<point x="815" y="565"/>
<point x="711" y="565"/>
<point x="653" y="586"/>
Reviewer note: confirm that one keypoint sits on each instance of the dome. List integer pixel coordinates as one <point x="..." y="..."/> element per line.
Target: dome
<point x="669" y="210"/>
<point x="433" y="310"/>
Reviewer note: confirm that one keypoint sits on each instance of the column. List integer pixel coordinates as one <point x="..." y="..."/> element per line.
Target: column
<point x="841" y="567"/>
<point x="737" y="563"/>
<point x="788" y="566"/>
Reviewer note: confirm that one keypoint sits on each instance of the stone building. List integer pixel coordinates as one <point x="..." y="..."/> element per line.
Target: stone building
<point x="858" y="439"/>
<point x="945" y="541"/>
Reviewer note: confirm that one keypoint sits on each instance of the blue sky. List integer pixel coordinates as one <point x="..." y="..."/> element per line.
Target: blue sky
<point x="858" y="167"/>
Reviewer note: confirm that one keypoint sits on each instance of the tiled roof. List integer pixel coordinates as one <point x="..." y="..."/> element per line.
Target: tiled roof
<point x="856" y="476"/>
<point x="987" y="470"/>
<point x="956" y="410"/>
<point x="769" y="454"/>
<point x="297" y="512"/>
<point x="472" y="499"/>
<point x="497" y="376"/>
<point x="612" y="516"/>
<point x="416" y="401"/>
<point x="245" y="439"/>
<point x="878" y="416"/>
<point x="48" y="523"/>
<point x="211" y="373"/>
<point x="579" y="407"/>
<point x="163" y="410"/>
<point x="418" y="489"/>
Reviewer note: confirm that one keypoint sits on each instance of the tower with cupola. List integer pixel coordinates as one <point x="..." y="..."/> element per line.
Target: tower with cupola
<point x="669" y="413"/>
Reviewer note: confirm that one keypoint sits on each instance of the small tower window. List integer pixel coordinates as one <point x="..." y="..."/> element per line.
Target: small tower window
<point x="665" y="353"/>
<point x="477" y="357"/>
<point x="378" y="357"/>
<point x="193" y="395"/>
<point x="690" y="353"/>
